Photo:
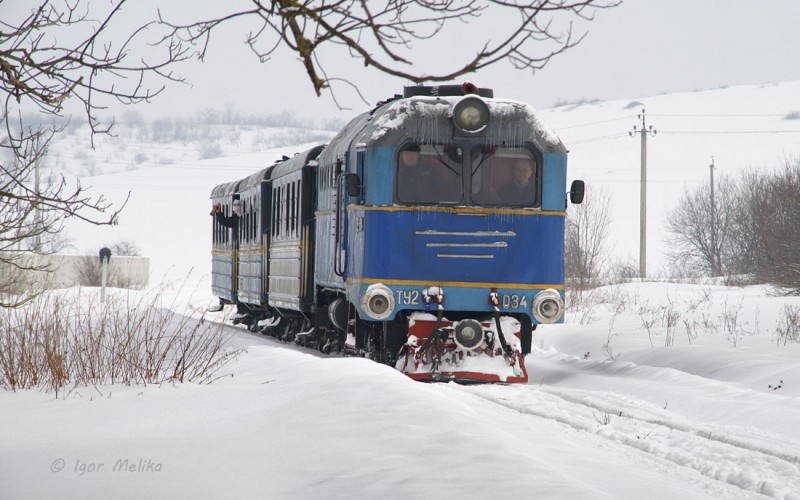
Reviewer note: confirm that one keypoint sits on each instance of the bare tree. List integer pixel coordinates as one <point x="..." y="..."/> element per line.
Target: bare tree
<point x="382" y="35"/>
<point x="768" y="226"/>
<point x="585" y="244"/>
<point x="55" y="54"/>
<point x="126" y="247"/>
<point x="699" y="240"/>
<point x="95" y="64"/>
<point x="755" y="231"/>
<point x="32" y="213"/>
<point x="752" y="214"/>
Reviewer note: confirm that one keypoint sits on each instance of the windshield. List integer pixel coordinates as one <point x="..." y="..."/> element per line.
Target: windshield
<point x="504" y="176"/>
<point x="430" y="173"/>
<point x="495" y="176"/>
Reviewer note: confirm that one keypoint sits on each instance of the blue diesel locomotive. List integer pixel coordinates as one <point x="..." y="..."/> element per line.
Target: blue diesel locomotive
<point x="428" y="235"/>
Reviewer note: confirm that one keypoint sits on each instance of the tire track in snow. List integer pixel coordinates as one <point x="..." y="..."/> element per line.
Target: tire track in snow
<point x="613" y="402"/>
<point x="719" y="453"/>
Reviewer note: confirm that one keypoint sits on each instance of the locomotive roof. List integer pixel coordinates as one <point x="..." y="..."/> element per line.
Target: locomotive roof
<point x="428" y="118"/>
<point x="340" y="144"/>
<point x="432" y="116"/>
<point x="296" y="162"/>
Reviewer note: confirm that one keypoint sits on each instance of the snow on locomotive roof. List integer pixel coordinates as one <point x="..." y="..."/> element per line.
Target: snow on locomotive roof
<point x="394" y="114"/>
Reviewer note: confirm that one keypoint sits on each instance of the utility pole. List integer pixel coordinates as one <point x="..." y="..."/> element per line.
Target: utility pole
<point x="644" y="132"/>
<point x="715" y="271"/>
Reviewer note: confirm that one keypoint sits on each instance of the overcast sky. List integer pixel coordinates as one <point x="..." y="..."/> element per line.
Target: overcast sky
<point x="641" y="48"/>
<point x="646" y="47"/>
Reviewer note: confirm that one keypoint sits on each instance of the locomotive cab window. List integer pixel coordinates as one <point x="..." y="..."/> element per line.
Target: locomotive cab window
<point x="505" y="177"/>
<point x="430" y="173"/>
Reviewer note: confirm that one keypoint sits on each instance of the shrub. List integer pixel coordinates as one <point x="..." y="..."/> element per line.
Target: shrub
<point x="788" y="327"/>
<point x="210" y="150"/>
<point x="57" y="341"/>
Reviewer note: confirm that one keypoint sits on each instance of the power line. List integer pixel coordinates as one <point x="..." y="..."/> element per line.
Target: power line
<point x="594" y="123"/>
<point x="679" y="115"/>
<point x="732" y="115"/>
<point x="702" y="132"/>
<point x="601" y="138"/>
<point x="685" y="132"/>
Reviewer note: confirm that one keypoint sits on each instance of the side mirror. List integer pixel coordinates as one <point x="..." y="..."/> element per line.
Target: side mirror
<point x="576" y="192"/>
<point x="353" y="185"/>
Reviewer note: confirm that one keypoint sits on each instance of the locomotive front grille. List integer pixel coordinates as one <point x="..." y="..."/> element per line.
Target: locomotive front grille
<point x="464" y="256"/>
<point x="433" y="232"/>
<point x="493" y="245"/>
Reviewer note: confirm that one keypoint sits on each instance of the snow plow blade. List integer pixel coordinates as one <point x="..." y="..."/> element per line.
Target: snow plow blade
<point x="440" y="356"/>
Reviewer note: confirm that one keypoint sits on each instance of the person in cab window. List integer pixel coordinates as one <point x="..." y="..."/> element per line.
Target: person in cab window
<point x="415" y="177"/>
<point x="231" y="221"/>
<point x="520" y="190"/>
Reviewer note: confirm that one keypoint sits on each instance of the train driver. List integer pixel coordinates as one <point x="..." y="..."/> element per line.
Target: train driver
<point x="414" y="177"/>
<point x="421" y="180"/>
<point x="520" y="190"/>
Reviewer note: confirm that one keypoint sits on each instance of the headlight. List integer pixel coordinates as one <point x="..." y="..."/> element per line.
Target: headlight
<point x="468" y="334"/>
<point x="548" y="307"/>
<point x="471" y="114"/>
<point x="378" y="301"/>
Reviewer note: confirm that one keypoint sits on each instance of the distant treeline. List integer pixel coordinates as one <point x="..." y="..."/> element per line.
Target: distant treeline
<point x="752" y="229"/>
<point x="197" y="126"/>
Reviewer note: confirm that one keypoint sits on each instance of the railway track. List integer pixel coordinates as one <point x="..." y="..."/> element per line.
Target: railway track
<point x="748" y="459"/>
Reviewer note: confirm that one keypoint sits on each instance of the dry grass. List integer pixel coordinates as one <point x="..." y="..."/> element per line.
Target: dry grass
<point x="788" y="325"/>
<point x="56" y="341"/>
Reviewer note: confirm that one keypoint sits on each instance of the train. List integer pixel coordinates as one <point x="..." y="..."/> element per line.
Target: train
<point x="427" y="235"/>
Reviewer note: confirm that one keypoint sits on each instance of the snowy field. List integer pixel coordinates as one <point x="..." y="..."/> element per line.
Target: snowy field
<point x="650" y="390"/>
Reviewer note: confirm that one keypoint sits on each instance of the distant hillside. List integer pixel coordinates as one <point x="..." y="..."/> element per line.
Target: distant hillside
<point x="744" y="127"/>
<point x="137" y="143"/>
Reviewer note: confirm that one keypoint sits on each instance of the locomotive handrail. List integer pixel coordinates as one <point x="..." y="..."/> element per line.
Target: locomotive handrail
<point x="340" y="229"/>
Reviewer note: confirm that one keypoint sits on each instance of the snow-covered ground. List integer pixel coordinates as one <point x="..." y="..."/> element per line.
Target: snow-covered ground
<point x="657" y="390"/>
<point x="695" y="420"/>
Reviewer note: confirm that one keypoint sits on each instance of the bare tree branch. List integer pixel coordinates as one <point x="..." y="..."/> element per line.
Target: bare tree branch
<point x="51" y="56"/>
<point x="383" y="34"/>
<point x="755" y="231"/>
<point x="37" y="70"/>
<point x="767" y="227"/>
<point x="695" y="242"/>
<point x="586" y="240"/>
